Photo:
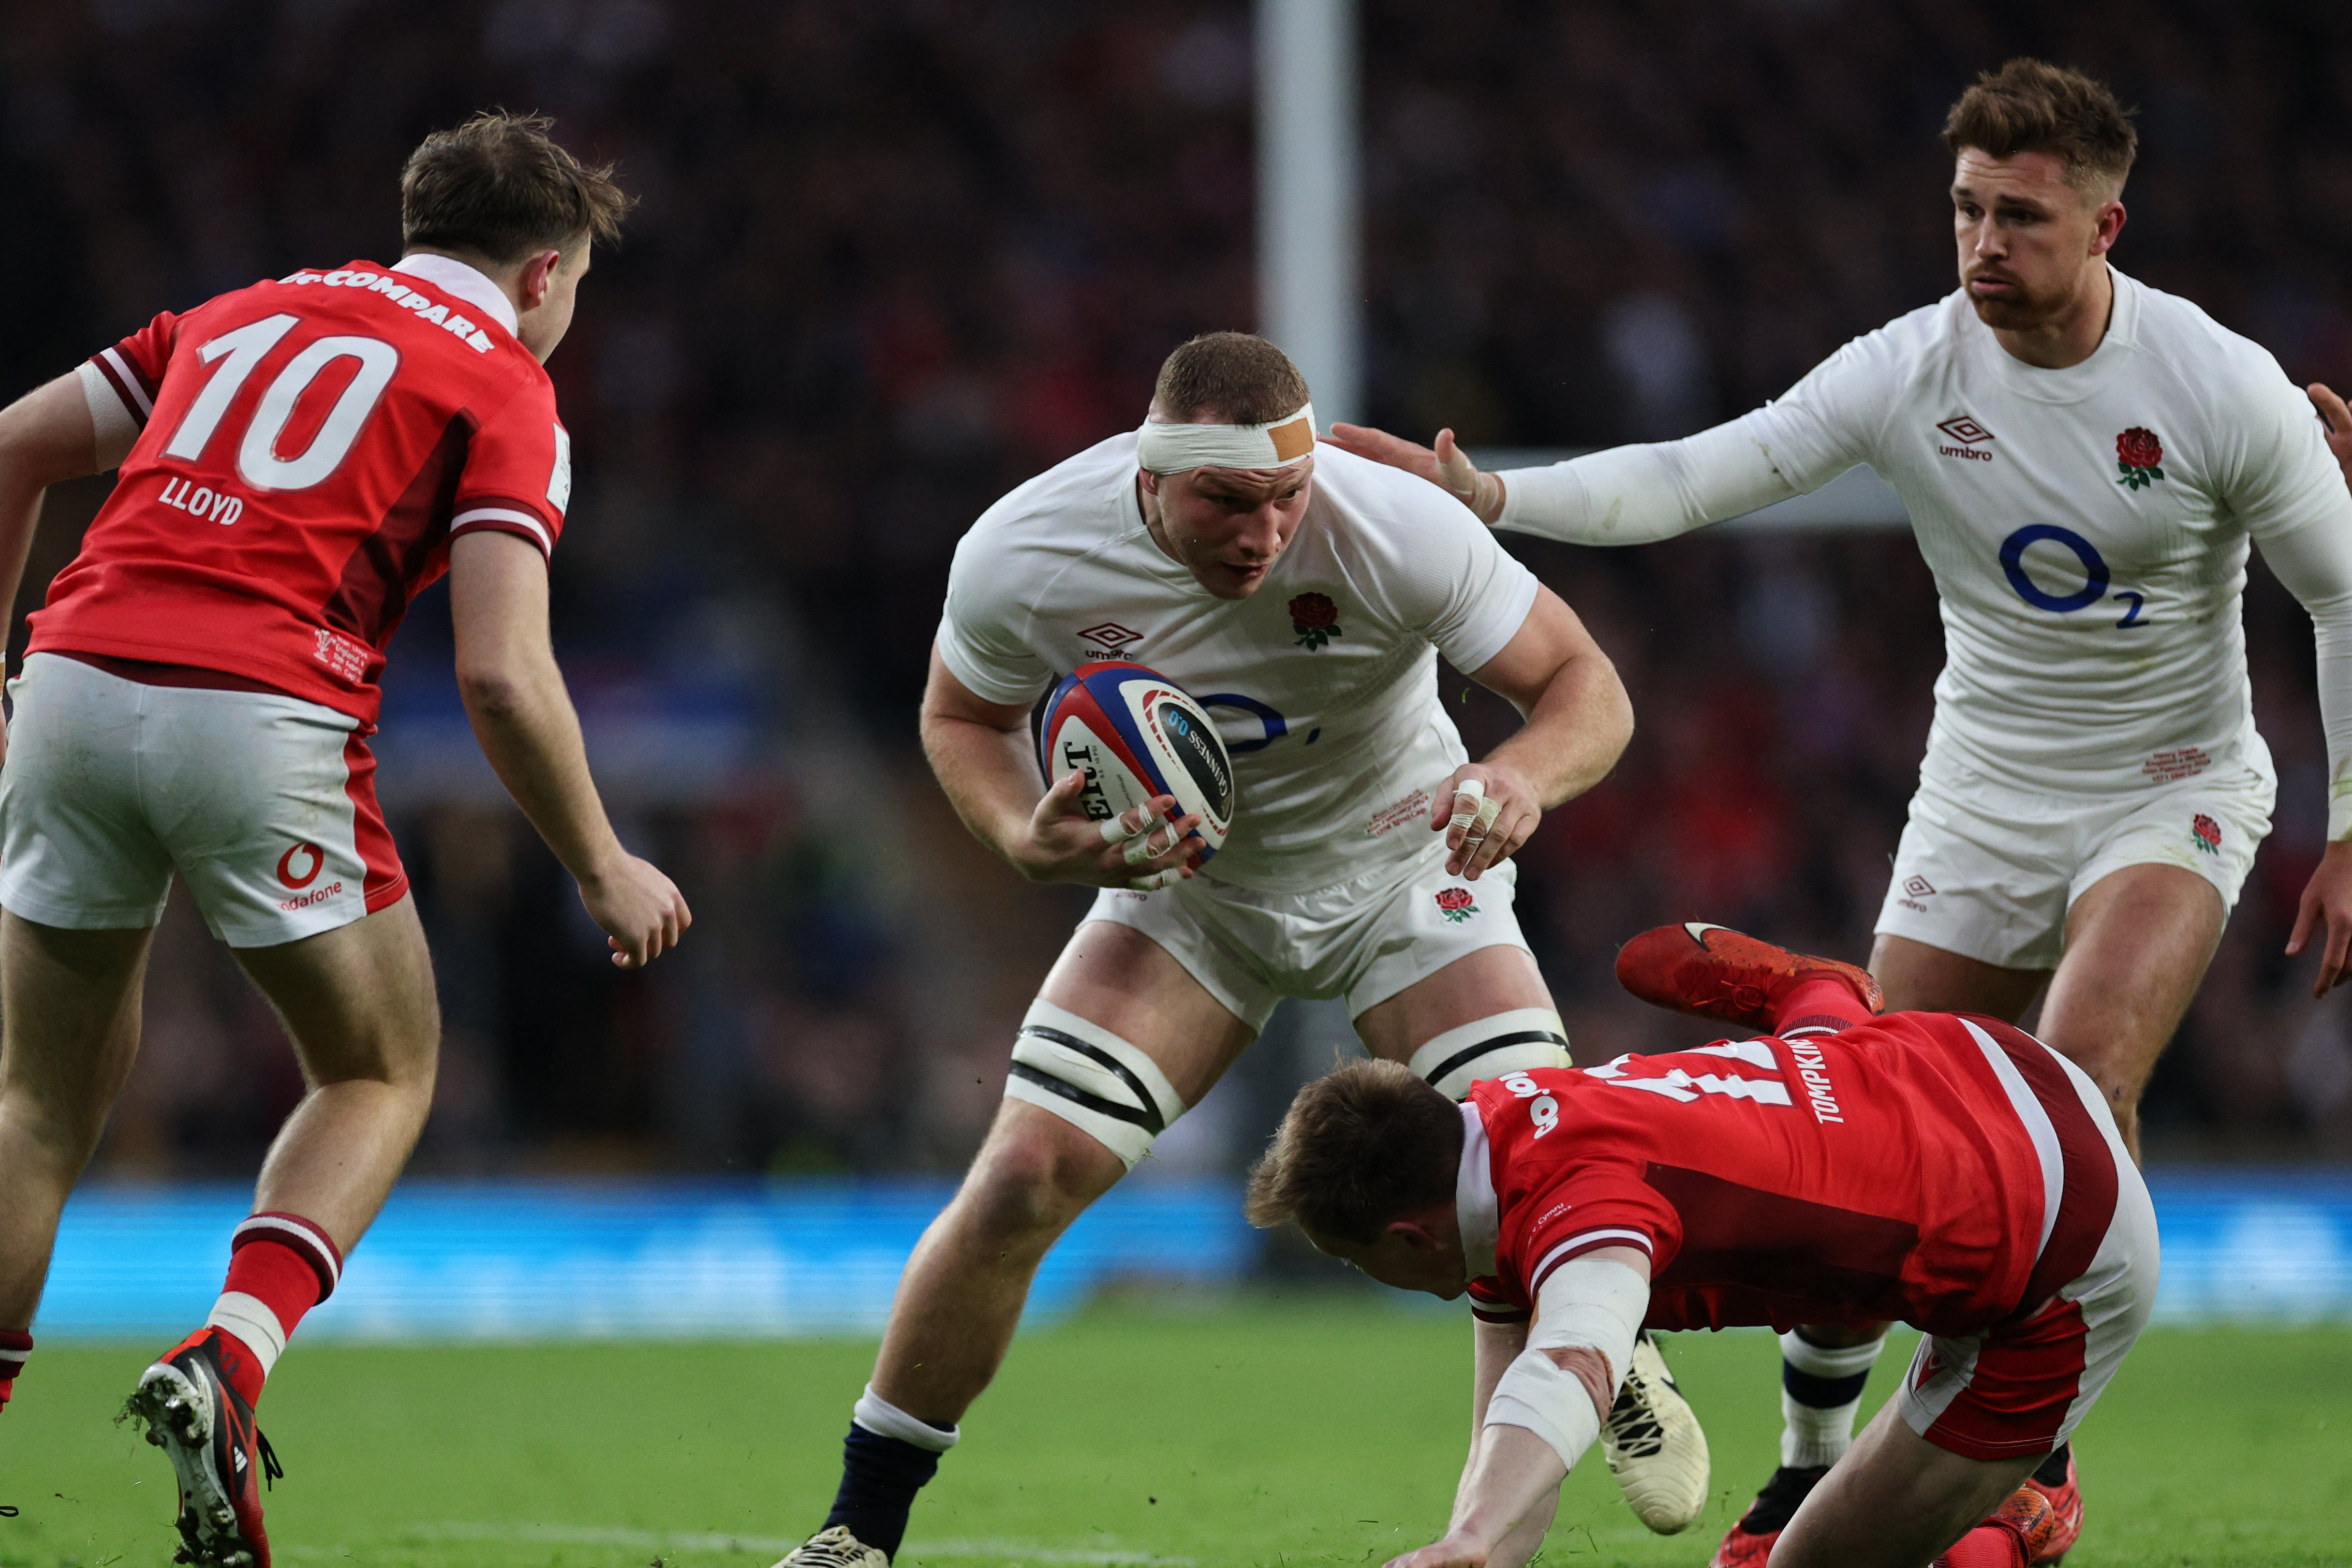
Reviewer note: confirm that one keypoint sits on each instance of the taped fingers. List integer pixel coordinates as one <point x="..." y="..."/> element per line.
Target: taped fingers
<point x="1100" y="1084"/>
<point x="1516" y="1041"/>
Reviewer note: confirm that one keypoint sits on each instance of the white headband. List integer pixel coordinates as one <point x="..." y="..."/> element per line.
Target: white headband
<point x="1165" y="448"/>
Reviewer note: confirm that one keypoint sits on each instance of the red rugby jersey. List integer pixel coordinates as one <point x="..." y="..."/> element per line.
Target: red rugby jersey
<point x="308" y="448"/>
<point x="1888" y="1173"/>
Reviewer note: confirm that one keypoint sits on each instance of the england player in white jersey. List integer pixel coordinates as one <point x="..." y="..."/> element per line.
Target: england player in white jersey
<point x="2084" y="461"/>
<point x="1305" y="599"/>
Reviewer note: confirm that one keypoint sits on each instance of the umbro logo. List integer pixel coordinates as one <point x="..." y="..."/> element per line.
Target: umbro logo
<point x="1970" y="437"/>
<point x="1111" y="635"/>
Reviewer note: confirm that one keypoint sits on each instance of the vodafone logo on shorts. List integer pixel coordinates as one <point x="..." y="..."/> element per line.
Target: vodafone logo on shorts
<point x="300" y="867"/>
<point x="297" y="869"/>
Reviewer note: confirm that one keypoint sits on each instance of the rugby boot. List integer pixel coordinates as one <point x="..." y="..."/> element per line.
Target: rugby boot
<point x="1748" y="1543"/>
<point x="835" y="1547"/>
<point x="1654" y="1446"/>
<point x="206" y="1429"/>
<point x="1714" y="972"/>
<point x="2018" y="1532"/>
<point x="2057" y="1481"/>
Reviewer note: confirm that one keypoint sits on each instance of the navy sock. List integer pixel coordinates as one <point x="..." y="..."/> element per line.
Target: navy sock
<point x="2052" y="1472"/>
<point x="879" y="1478"/>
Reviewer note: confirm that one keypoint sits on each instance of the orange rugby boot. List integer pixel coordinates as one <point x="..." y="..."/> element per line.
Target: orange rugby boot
<point x="2057" y="1482"/>
<point x="1748" y="1543"/>
<point x="2018" y="1534"/>
<point x="206" y="1429"/>
<point x="1714" y="972"/>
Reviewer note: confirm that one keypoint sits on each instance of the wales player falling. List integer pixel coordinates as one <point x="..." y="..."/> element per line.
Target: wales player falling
<point x="1949" y="1172"/>
<point x="2084" y="461"/>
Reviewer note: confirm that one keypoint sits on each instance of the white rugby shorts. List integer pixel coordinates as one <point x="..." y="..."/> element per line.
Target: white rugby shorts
<point x="1366" y="938"/>
<point x="1989" y="870"/>
<point x="265" y="803"/>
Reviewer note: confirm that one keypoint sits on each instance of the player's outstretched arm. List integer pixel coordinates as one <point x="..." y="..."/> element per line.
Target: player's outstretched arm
<point x="524" y="717"/>
<point x="979" y="752"/>
<point x="1626" y="495"/>
<point x="1579" y="721"/>
<point x="1545" y="1410"/>
<point x="1495" y="1347"/>
<point x="45" y="436"/>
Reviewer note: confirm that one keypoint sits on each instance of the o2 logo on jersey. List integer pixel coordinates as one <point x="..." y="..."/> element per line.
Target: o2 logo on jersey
<point x="1542" y="1108"/>
<point x="2094" y="566"/>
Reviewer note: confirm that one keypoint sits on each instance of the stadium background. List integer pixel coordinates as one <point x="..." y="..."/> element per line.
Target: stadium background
<point x="895" y="257"/>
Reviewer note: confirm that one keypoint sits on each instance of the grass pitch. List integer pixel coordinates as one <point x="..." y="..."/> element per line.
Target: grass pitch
<point x="1306" y="1432"/>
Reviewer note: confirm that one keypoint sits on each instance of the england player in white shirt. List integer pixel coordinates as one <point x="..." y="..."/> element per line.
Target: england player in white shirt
<point x="2084" y="461"/>
<point x="1305" y="598"/>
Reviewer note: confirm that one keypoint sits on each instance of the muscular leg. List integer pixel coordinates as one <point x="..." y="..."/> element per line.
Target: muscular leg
<point x="1895" y="1501"/>
<point x="961" y="1295"/>
<point x="2137" y="943"/>
<point x="69" y="1000"/>
<point x="359" y="1005"/>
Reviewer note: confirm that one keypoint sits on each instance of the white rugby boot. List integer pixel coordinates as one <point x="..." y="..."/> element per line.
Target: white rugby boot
<point x="1654" y="1446"/>
<point x="835" y="1548"/>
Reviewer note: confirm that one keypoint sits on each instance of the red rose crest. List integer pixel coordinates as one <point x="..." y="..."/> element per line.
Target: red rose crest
<point x="1315" y="618"/>
<point x="2206" y="834"/>
<point x="2137" y="453"/>
<point x="1456" y="904"/>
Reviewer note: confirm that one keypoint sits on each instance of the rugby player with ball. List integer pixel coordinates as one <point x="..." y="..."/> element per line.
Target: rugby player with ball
<point x="1302" y="598"/>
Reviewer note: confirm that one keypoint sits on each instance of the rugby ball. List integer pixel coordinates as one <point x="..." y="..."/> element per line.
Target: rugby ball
<point x="1138" y="735"/>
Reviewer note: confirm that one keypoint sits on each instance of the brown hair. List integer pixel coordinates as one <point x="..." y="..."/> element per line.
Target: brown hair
<point x="2032" y="106"/>
<point x="1239" y="375"/>
<point x="500" y="187"/>
<point x="1360" y="1147"/>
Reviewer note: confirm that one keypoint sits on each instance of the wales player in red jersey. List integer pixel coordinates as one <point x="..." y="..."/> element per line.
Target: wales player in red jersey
<point x="1937" y="1169"/>
<point x="298" y="459"/>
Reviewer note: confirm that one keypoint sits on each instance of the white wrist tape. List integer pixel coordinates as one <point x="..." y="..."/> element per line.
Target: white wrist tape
<point x="1595" y="1304"/>
<point x="1554" y="1404"/>
<point x="1162" y="447"/>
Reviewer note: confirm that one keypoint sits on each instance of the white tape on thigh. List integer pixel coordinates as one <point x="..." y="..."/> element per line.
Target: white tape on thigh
<point x="1093" y="1079"/>
<point x="1507" y="1042"/>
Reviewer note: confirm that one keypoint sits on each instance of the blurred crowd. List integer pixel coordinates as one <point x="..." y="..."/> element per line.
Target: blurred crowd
<point x="893" y="257"/>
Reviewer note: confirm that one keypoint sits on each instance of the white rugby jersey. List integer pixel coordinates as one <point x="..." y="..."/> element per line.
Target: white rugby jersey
<point x="1323" y="683"/>
<point x="2087" y="529"/>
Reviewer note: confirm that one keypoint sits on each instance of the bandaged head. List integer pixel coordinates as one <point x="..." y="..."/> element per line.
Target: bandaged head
<point x="1166" y="449"/>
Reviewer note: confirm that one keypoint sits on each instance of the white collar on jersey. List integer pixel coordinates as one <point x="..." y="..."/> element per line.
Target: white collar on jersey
<point x="1475" y="1209"/>
<point x="470" y="284"/>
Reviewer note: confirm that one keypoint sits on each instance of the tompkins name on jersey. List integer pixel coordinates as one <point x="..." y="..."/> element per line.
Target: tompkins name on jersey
<point x="1323" y="683"/>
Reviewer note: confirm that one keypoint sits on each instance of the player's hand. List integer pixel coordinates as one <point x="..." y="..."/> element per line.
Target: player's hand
<point x="1447" y="467"/>
<point x="1454" y="1551"/>
<point x="2338" y="420"/>
<point x="1140" y="848"/>
<point x="2327" y="898"/>
<point x="1486" y="812"/>
<point x="642" y="911"/>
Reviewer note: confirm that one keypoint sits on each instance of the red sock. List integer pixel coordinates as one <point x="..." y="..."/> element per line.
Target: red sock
<point x="280" y="1265"/>
<point x="1827" y="1003"/>
<point x="15" y="1346"/>
<point x="1986" y="1546"/>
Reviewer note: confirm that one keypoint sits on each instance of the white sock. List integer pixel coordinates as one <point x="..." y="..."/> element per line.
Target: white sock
<point x="1820" y="1433"/>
